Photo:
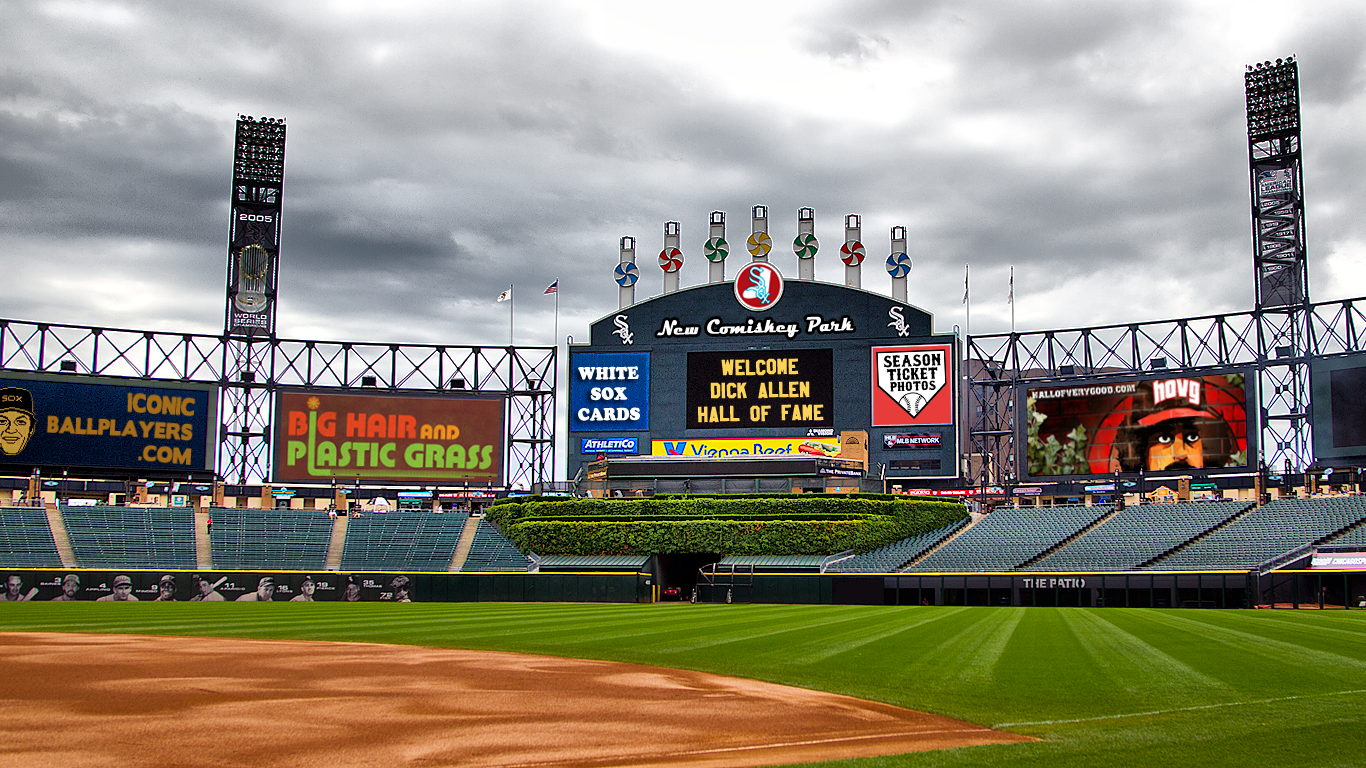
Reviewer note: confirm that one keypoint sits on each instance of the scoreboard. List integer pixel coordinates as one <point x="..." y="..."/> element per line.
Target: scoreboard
<point x="699" y="367"/>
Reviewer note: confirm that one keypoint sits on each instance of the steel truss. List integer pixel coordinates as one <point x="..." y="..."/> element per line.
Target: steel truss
<point x="1262" y="340"/>
<point x="248" y="374"/>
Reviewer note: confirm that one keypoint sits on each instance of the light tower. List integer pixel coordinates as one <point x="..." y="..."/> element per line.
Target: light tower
<point x="1278" y="254"/>
<point x="249" y="315"/>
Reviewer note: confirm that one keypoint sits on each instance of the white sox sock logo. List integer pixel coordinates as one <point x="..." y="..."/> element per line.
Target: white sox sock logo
<point x="623" y="330"/>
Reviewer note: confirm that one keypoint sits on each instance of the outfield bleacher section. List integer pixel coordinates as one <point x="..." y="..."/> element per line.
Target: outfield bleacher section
<point x="1007" y="538"/>
<point x="895" y="555"/>
<point x="492" y="552"/>
<point x="131" y="537"/>
<point x="1138" y="534"/>
<point x="1266" y="533"/>
<point x="401" y="541"/>
<point x="253" y="539"/>
<point x="26" y="538"/>
<point x="1353" y="538"/>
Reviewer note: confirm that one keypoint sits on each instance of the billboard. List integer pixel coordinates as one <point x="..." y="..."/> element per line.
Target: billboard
<point x="81" y="421"/>
<point x="913" y="385"/>
<point x="761" y="388"/>
<point x="321" y="436"/>
<point x="1339" y="414"/>
<point x="609" y="391"/>
<point x="734" y="446"/>
<point x="1131" y="425"/>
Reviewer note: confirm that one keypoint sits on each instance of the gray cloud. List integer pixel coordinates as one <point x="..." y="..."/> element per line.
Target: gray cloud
<point x="437" y="154"/>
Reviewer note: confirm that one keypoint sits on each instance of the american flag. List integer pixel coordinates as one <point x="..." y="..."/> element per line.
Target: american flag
<point x="554" y="288"/>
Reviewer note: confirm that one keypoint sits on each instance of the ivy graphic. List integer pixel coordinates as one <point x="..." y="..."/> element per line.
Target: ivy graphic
<point x="1050" y="457"/>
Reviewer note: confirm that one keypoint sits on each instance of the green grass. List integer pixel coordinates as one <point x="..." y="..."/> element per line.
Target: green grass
<point x="1101" y="687"/>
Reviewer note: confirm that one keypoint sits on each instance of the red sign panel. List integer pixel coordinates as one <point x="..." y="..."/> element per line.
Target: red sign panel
<point x="322" y="437"/>
<point x="913" y="385"/>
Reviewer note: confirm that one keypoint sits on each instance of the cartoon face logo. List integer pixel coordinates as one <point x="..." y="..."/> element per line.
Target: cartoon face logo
<point x="17" y="421"/>
<point x="758" y="286"/>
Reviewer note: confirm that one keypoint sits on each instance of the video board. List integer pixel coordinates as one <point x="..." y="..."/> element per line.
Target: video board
<point x="913" y="385"/>
<point x="1339" y="412"/>
<point x="384" y="438"/>
<point x="1157" y="424"/>
<point x="85" y="421"/>
<point x="609" y="391"/>
<point x="760" y="388"/>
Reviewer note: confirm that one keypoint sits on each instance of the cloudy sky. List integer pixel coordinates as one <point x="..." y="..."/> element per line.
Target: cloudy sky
<point x="439" y="151"/>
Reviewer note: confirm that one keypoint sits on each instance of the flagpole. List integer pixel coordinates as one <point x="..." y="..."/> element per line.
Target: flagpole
<point x="967" y="304"/>
<point x="557" y="313"/>
<point x="1012" y="298"/>
<point x="512" y="302"/>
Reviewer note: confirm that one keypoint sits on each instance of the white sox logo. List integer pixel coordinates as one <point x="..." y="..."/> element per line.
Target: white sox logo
<point x="912" y="379"/>
<point x="623" y="330"/>
<point x="898" y="322"/>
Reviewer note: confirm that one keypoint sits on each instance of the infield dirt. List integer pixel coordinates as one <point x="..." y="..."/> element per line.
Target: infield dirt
<point x="125" y="700"/>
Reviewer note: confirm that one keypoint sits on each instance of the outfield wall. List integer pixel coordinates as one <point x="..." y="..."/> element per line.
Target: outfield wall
<point x="1213" y="589"/>
<point x="367" y="587"/>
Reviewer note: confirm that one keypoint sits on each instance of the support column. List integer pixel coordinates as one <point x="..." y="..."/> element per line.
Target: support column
<point x="805" y="246"/>
<point x="671" y="258"/>
<point x="853" y="252"/>
<point x="759" y="243"/>
<point x="626" y="273"/>
<point x="716" y="248"/>
<point x="899" y="264"/>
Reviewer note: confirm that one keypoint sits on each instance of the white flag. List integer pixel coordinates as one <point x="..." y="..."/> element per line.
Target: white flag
<point x="505" y="295"/>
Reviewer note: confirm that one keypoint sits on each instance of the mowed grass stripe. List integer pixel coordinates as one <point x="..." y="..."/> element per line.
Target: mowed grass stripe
<point x="1262" y="644"/>
<point x="863" y="634"/>
<point x="1136" y="666"/>
<point x="1025" y="666"/>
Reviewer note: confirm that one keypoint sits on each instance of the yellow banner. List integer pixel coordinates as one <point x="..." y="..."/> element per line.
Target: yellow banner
<point x="759" y="446"/>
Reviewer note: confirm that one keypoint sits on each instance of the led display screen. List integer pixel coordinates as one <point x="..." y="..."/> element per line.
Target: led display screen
<point x="1153" y="425"/>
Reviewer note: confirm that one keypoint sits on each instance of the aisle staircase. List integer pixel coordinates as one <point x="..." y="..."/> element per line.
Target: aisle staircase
<point x="60" y="536"/>
<point x="462" y="547"/>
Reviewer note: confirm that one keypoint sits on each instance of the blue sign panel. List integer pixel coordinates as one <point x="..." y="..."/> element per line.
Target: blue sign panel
<point x="609" y="391"/>
<point x="608" y="445"/>
<point x="71" y="421"/>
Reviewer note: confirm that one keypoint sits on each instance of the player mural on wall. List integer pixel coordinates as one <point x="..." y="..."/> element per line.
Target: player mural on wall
<point x="17" y="421"/>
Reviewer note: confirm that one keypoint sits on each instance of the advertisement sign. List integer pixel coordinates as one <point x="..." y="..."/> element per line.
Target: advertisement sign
<point x="725" y="446"/>
<point x="913" y="385"/>
<point x="608" y="445"/>
<point x="902" y="442"/>
<point x="325" y="436"/>
<point x="761" y="388"/>
<point x="75" y="421"/>
<point x="1338" y="560"/>
<point x="1153" y="425"/>
<point x="609" y="391"/>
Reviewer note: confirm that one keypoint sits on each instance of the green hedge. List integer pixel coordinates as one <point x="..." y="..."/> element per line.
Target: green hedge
<point x="750" y="525"/>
